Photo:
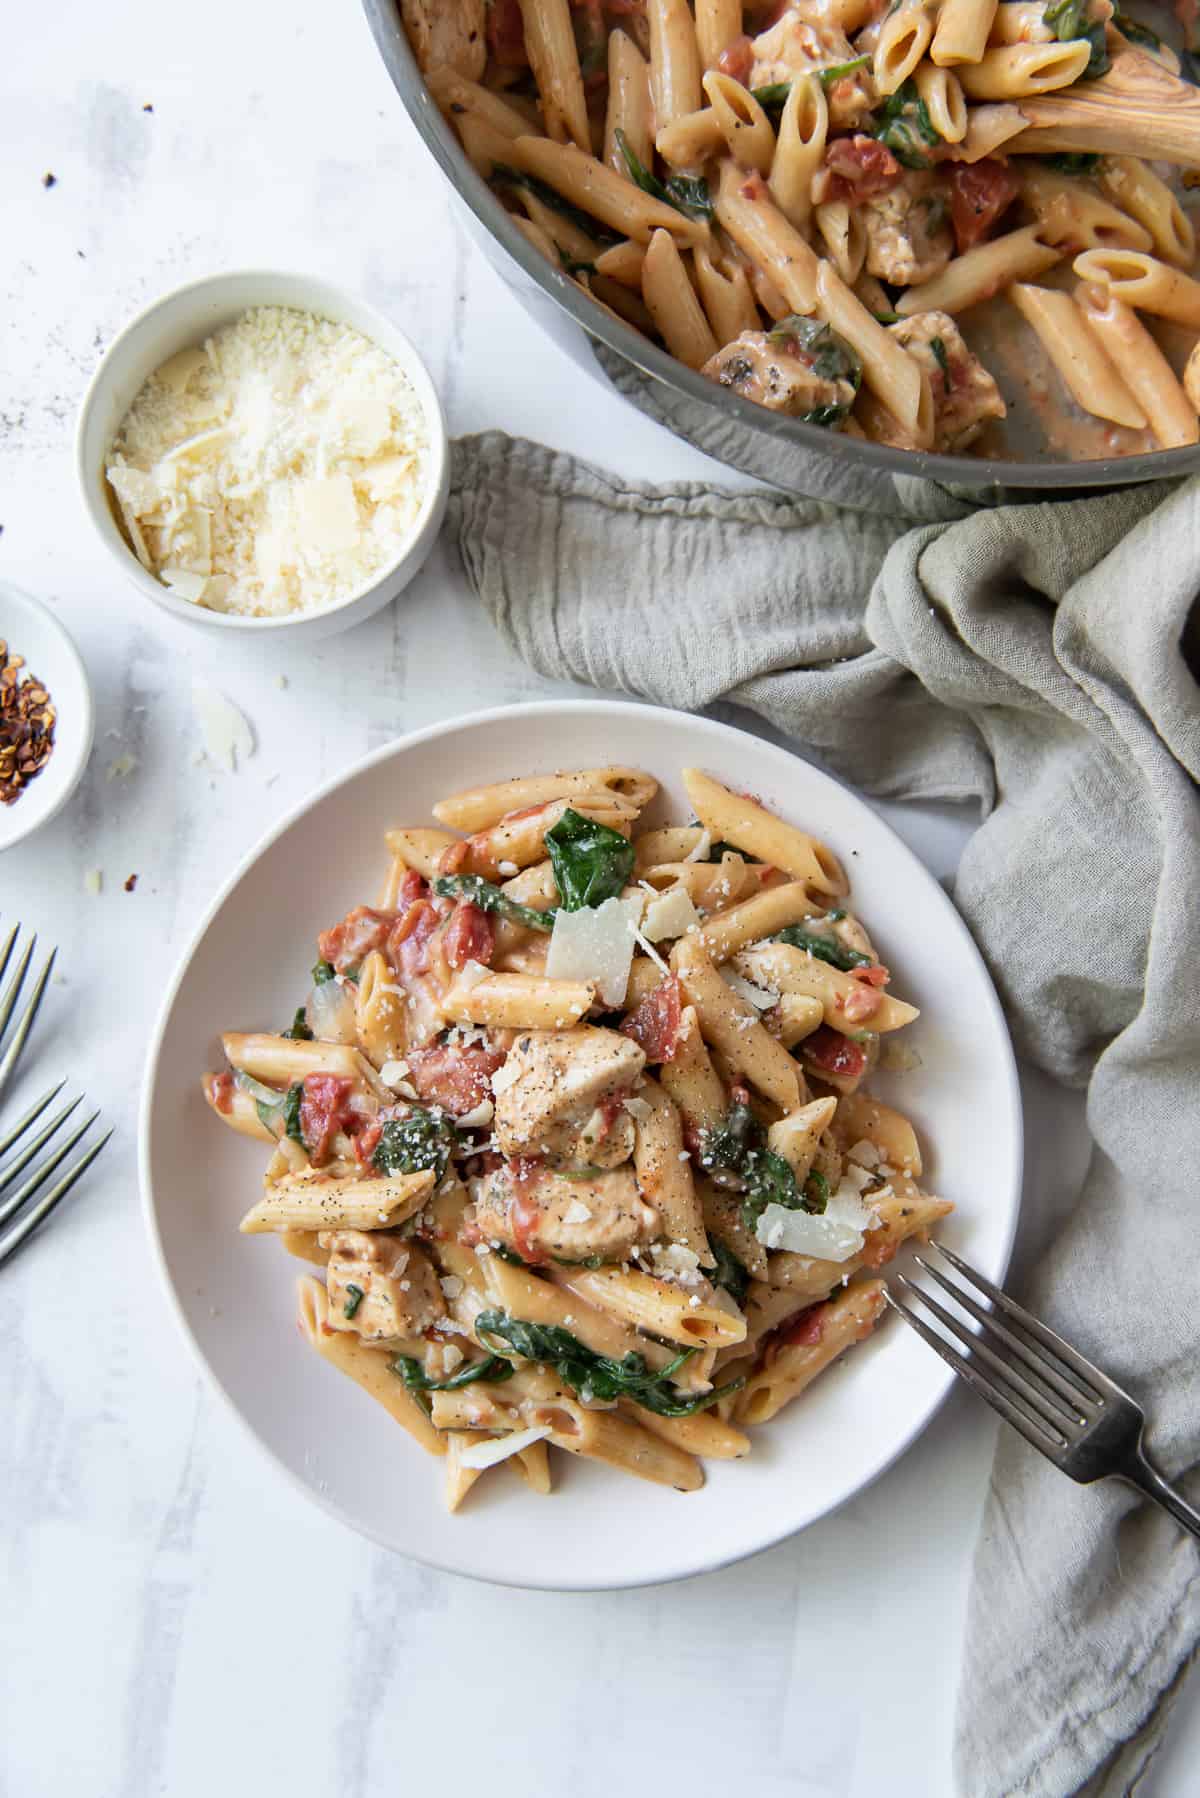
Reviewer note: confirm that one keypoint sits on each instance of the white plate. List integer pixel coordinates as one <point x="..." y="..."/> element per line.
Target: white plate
<point x="248" y="969"/>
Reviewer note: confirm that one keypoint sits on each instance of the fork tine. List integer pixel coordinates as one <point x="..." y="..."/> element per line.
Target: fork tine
<point x="7" y="949"/>
<point x="49" y="1201"/>
<point x="1096" y="1385"/>
<point x="20" y="1162"/>
<point x="13" y="1053"/>
<point x="41" y="1174"/>
<point x="1034" y="1432"/>
<point x="1066" y="1389"/>
<point x="1046" y="1408"/>
<point x="12" y="991"/>
<point x="31" y="1116"/>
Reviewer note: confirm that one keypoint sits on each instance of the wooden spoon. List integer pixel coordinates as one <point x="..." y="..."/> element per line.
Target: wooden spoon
<point x="1137" y="109"/>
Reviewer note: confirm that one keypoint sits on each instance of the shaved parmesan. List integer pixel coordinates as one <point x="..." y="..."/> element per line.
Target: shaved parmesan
<point x="93" y="880"/>
<point x="392" y="1073"/>
<point x="498" y="1448"/>
<point x="470" y="974"/>
<point x="482" y="1114"/>
<point x="638" y="1109"/>
<point x="670" y="914"/>
<point x="864" y="1153"/>
<point x="228" y="738"/>
<point x="595" y="944"/>
<point x="802" y="1233"/>
<point x="701" y="850"/>
<point x="649" y="949"/>
<point x="505" y="1075"/>
<point x="576" y="1213"/>
<point x="675" y="1261"/>
<point x="757" y="996"/>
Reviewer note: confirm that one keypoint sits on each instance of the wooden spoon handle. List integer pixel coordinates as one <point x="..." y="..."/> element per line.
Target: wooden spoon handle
<point x="1137" y="109"/>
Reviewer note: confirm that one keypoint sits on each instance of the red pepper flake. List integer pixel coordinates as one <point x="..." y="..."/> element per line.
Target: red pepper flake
<point x="27" y="721"/>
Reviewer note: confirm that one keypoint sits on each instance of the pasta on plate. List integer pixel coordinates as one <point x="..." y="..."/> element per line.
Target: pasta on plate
<point x="803" y="199"/>
<point x="574" y="1130"/>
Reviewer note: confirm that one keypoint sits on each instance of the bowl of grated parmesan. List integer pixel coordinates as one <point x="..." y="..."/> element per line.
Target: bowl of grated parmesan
<point x="261" y="452"/>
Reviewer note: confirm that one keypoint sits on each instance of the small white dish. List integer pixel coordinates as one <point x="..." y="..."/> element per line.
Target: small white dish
<point x="31" y="630"/>
<point x="184" y="318"/>
<point x="234" y="1297"/>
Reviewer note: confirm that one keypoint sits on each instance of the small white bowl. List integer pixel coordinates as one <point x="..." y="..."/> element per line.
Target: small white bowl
<point x="186" y="317"/>
<point x="31" y="630"/>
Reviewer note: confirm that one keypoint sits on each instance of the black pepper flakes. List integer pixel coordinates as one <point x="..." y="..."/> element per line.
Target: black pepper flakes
<point x="49" y="180"/>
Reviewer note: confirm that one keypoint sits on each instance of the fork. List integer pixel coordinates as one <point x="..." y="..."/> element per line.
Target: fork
<point x="13" y="1206"/>
<point x="1063" y="1405"/>
<point x="10" y="996"/>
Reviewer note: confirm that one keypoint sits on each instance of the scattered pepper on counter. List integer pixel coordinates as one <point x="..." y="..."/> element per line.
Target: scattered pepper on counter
<point x="27" y="719"/>
<point x="131" y="883"/>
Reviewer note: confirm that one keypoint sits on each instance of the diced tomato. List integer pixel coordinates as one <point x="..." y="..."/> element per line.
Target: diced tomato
<point x="409" y="937"/>
<point x="220" y="1093"/>
<point x="412" y="887"/>
<point x="452" y="857"/>
<point x="805" y="1330"/>
<point x="470" y="936"/>
<point x="858" y="168"/>
<point x="506" y="34"/>
<point x="526" y="811"/>
<point x="878" y="1249"/>
<point x="360" y="931"/>
<point x="875" y="975"/>
<point x="323" y="1112"/>
<point x="979" y="193"/>
<point x="861" y="1003"/>
<point x="737" y="59"/>
<point x="654" y="1024"/>
<point x="525" y="1215"/>
<point x="456" y="1079"/>
<point x="830" y="1050"/>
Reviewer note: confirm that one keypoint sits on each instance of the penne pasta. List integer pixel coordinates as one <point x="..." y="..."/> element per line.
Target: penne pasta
<point x="519" y="1002"/>
<point x="979" y="273"/>
<point x="800" y="151"/>
<point x="1144" y="283"/>
<point x="1022" y="71"/>
<point x="1092" y="380"/>
<point x="1144" y="196"/>
<point x="793" y="1367"/>
<point x="671" y="302"/>
<point x="366" y="1367"/>
<point x="744" y="126"/>
<point x="1148" y="374"/>
<point x="749" y="826"/>
<point x="732" y="1026"/>
<point x="964" y="30"/>
<point x="628" y="109"/>
<point x="674" y="60"/>
<point x="312" y="1201"/>
<point x="550" y="46"/>
<point x="849" y="1005"/>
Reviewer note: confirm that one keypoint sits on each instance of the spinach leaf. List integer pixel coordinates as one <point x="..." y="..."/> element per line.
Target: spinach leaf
<point x="408" y="1145"/>
<point x="839" y="70"/>
<point x="492" y="1367"/>
<point x="299" y="1032"/>
<point x="591" y="862"/>
<point x="1072" y="162"/>
<point x="549" y="196"/>
<point x="904" y="125"/>
<point x="816" y="1191"/>
<point x="887" y="318"/>
<point x="277" y="1112"/>
<point x="599" y="1377"/>
<point x="938" y="351"/>
<point x="738" y="1146"/>
<point x="1068" y="21"/>
<point x="510" y="1255"/>
<point x="721" y="849"/>
<point x="773" y="97"/>
<point x="489" y="897"/>
<point x="1135" y="31"/>
<point x="323" y="972"/>
<point x="686" y="193"/>
<point x="354" y="1298"/>
<point x="729" y="1272"/>
<point x="829" y="357"/>
<point x="825" y="948"/>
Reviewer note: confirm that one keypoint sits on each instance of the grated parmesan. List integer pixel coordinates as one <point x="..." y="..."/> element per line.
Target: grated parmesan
<point x="279" y="469"/>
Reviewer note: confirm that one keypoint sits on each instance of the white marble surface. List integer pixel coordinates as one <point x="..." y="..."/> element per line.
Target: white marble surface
<point x="173" y="1614"/>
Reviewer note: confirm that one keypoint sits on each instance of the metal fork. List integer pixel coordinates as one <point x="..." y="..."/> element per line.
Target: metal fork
<point x="1063" y="1406"/>
<point x="40" y="1167"/>
<point x="12" y="993"/>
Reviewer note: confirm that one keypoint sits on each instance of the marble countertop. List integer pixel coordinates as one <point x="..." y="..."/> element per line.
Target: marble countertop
<point x="175" y="1616"/>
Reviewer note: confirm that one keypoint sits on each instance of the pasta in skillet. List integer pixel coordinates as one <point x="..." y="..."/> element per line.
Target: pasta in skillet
<point x="802" y="199"/>
<point x="573" y="1128"/>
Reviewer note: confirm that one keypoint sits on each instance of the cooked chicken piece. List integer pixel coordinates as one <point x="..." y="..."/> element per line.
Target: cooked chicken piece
<point x="560" y="1095"/>
<point x="800" y="41"/>
<point x="541" y="1213"/>
<point x="908" y="235"/>
<point x="965" y="396"/>
<point x="401" y="1296"/>
<point x="449" y="32"/>
<point x="764" y="369"/>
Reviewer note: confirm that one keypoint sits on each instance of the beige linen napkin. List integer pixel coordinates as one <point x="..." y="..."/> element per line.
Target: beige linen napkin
<point x="1031" y="658"/>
